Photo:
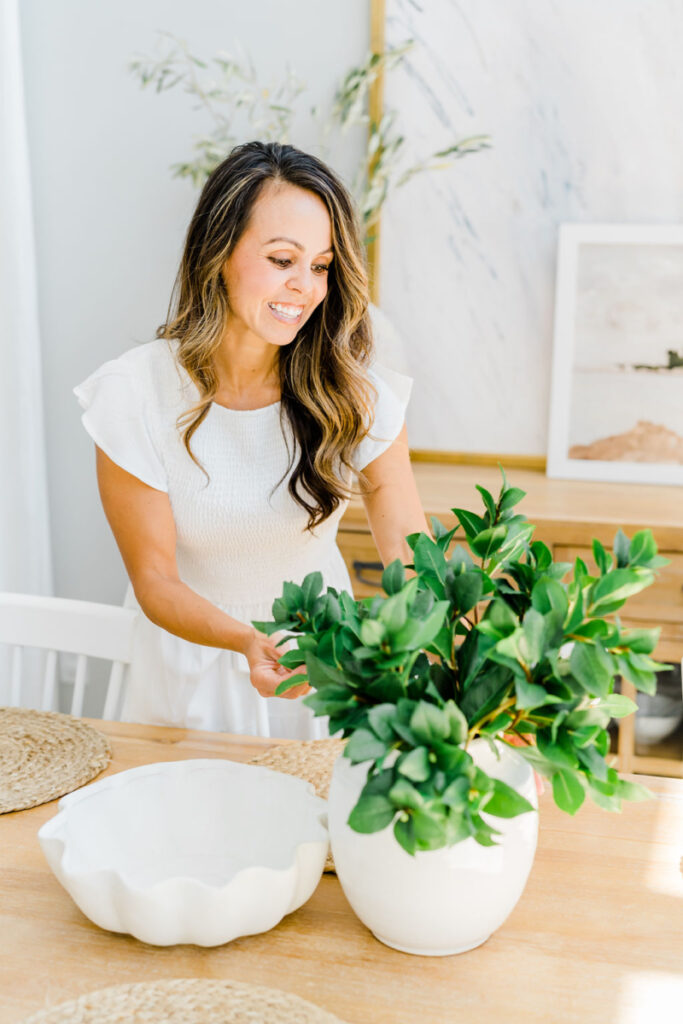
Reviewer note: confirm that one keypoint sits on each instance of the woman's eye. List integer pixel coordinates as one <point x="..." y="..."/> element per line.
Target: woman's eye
<point x="319" y="268"/>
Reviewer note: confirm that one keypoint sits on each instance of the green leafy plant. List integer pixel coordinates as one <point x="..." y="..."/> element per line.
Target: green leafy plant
<point x="240" y="107"/>
<point x="491" y="639"/>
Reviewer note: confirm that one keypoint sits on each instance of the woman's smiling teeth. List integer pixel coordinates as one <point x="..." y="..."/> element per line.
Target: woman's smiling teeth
<point x="287" y="314"/>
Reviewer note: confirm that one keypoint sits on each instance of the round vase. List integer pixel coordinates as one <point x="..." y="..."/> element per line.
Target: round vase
<point x="437" y="902"/>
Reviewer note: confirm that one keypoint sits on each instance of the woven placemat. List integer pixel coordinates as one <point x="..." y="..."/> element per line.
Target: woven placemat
<point x="44" y="754"/>
<point x="186" y="1001"/>
<point x="311" y="760"/>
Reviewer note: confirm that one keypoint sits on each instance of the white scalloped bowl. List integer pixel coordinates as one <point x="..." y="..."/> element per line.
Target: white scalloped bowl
<point x="198" y="851"/>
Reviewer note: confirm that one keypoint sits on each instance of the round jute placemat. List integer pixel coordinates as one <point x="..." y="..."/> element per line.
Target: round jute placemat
<point x="186" y="1001"/>
<point x="311" y="760"/>
<point x="44" y="754"/>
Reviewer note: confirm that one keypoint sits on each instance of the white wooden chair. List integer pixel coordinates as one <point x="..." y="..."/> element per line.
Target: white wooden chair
<point x="60" y="625"/>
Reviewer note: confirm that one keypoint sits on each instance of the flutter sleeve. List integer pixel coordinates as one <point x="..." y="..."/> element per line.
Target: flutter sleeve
<point x="393" y="394"/>
<point x="120" y="422"/>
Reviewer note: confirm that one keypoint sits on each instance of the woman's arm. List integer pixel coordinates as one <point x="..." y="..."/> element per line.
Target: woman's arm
<point x="392" y="502"/>
<point x="142" y="522"/>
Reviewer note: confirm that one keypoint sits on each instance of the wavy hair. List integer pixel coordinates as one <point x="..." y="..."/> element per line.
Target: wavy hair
<point x="326" y="396"/>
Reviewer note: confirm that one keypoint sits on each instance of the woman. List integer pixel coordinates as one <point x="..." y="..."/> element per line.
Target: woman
<point x="228" y="447"/>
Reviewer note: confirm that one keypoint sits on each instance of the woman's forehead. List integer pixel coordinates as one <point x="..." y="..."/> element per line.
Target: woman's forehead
<point x="292" y="213"/>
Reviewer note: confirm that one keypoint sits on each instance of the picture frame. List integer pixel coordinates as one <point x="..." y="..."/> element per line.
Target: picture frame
<point x="616" y="397"/>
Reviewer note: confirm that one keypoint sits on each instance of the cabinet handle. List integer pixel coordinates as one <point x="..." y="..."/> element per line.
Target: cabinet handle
<point x="360" y="567"/>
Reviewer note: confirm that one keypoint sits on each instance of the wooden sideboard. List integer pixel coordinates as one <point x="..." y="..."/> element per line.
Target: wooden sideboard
<point x="568" y="514"/>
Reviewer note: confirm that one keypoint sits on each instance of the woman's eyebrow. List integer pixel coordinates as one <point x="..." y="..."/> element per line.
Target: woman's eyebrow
<point x="293" y="241"/>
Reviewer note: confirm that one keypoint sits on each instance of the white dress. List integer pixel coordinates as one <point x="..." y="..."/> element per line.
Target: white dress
<point x="236" y="542"/>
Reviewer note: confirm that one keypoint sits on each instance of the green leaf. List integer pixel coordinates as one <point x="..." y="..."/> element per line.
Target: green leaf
<point x="380" y="719"/>
<point x="292" y="659"/>
<point x="591" y="667"/>
<point x="534" y="636"/>
<point x="602" y="559"/>
<point x="506" y="802"/>
<point x="593" y="762"/>
<point x="363" y="745"/>
<point x="627" y="790"/>
<point x="471" y="523"/>
<point x="609" y="592"/>
<point x="393" y="577"/>
<point x="320" y="673"/>
<point x="372" y="632"/>
<point x="429" y="558"/>
<point x="643" y="548"/>
<point x="280" y="611"/>
<point x="289" y="684"/>
<point x="311" y="588"/>
<point x="568" y="792"/>
<point x="456" y="794"/>
<point x="429" y="722"/>
<point x="499" y="620"/>
<point x="371" y="814"/>
<point x="415" y="765"/>
<point x="403" y="794"/>
<point x="465" y="591"/>
<point x="405" y="835"/>
<point x="485" y="692"/>
<point x="549" y="595"/>
<point x="486" y="543"/>
<point x="510" y="497"/>
<point x="394" y="612"/>
<point x="331" y="609"/>
<point x="498" y="724"/>
<point x="457" y="723"/>
<point x="431" y="625"/>
<point x="644" y="679"/>
<point x="330" y="700"/>
<point x="293" y="596"/>
<point x="640" y="641"/>
<point x="530" y="695"/>
<point x="617" y="705"/>
<point x="489" y="503"/>
<point x="430" y="832"/>
<point x="558" y="753"/>
<point x="621" y="549"/>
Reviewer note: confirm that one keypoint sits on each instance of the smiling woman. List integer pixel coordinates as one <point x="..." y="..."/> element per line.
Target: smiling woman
<point x="227" y="449"/>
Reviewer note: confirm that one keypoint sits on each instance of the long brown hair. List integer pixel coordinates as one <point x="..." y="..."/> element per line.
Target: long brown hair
<point x="326" y="395"/>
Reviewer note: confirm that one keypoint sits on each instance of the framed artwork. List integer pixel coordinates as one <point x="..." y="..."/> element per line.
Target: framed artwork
<point x="616" y="403"/>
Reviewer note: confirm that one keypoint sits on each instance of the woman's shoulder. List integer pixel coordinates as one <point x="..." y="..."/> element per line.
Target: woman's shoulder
<point x="149" y="369"/>
<point x="149" y="357"/>
<point x="389" y="384"/>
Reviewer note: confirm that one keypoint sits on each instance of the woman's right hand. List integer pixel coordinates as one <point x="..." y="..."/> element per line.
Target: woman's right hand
<point x="265" y="672"/>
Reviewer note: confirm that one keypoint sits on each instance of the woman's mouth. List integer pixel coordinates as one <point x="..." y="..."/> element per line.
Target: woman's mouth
<point x="285" y="313"/>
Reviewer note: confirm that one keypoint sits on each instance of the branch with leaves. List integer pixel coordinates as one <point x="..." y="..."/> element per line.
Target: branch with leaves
<point x="520" y="646"/>
<point x="228" y="90"/>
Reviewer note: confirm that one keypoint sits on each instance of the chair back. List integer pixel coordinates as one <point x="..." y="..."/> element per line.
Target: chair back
<point x="61" y="625"/>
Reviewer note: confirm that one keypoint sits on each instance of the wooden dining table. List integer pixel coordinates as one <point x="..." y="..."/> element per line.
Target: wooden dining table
<point x="597" y="935"/>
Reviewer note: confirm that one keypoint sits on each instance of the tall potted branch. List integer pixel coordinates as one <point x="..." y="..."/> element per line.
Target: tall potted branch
<point x="491" y="643"/>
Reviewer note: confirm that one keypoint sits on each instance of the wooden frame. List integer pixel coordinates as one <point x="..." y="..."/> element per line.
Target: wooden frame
<point x="376" y="110"/>
<point x="561" y="463"/>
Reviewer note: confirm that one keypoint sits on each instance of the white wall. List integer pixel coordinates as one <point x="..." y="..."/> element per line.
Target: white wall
<point x="110" y="218"/>
<point x="584" y="101"/>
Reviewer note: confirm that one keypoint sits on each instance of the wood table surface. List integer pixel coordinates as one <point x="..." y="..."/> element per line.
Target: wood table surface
<point x="596" y="937"/>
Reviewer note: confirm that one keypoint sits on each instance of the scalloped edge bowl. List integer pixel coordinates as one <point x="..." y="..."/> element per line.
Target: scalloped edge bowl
<point x="196" y="851"/>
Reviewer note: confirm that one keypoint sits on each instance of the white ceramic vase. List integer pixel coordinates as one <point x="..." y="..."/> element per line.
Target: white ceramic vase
<point x="437" y="902"/>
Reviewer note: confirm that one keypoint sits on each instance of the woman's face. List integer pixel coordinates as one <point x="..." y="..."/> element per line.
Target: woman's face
<point x="277" y="273"/>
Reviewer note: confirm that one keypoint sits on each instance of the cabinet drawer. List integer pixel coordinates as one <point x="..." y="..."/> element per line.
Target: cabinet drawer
<point x="362" y="560"/>
<point x="661" y="603"/>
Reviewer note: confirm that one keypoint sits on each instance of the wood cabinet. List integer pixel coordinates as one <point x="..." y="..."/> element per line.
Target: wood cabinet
<point x="568" y="515"/>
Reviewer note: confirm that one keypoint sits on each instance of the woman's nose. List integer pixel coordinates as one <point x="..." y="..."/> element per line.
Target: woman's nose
<point x="301" y="279"/>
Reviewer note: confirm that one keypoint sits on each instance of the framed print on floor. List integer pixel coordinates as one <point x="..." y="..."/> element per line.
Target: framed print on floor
<point x="616" y="403"/>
